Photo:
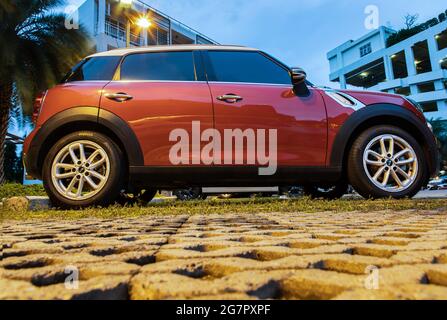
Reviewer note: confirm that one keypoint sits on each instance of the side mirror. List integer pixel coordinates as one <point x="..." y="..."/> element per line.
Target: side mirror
<point x="299" y="82"/>
<point x="298" y="76"/>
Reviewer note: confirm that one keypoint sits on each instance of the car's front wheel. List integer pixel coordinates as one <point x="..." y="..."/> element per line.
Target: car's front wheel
<point x="83" y="169"/>
<point x="386" y="161"/>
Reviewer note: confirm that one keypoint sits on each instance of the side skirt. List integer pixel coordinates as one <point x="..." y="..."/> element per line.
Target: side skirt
<point x="182" y="177"/>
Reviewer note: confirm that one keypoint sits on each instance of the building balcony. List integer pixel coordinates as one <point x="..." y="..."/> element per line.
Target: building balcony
<point x="117" y="30"/>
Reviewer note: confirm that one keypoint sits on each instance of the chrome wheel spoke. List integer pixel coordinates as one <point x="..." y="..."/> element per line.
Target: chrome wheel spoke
<point x="403" y="173"/>
<point x="82" y="152"/>
<point x="65" y="175"/>
<point x="374" y="163"/>
<point x="80" y="187"/>
<point x="406" y="161"/>
<point x="390" y="163"/>
<point x="383" y="147"/>
<point x="386" y="178"/>
<point x="379" y="173"/>
<point x="98" y="163"/>
<point x="91" y="183"/>
<point x="96" y="175"/>
<point x="397" y="179"/>
<point x="74" y="158"/>
<point x="65" y="166"/>
<point x="402" y="153"/>
<point x="80" y="170"/>
<point x="71" y="186"/>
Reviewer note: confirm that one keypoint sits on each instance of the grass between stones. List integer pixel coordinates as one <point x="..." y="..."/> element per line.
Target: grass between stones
<point x="235" y="206"/>
<point x="9" y="190"/>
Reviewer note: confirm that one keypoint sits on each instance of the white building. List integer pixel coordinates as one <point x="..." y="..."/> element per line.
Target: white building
<point x="106" y="21"/>
<point x="415" y="67"/>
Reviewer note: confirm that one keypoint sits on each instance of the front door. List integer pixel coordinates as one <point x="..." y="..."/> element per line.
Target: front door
<point x="252" y="91"/>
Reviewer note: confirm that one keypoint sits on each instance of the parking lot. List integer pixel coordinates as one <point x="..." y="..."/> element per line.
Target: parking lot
<point x="325" y="255"/>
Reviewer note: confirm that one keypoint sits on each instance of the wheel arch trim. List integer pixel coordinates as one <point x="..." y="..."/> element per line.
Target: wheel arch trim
<point x="373" y="115"/>
<point x="77" y="117"/>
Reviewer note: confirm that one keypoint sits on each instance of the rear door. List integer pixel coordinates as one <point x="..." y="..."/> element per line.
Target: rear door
<point x="164" y="92"/>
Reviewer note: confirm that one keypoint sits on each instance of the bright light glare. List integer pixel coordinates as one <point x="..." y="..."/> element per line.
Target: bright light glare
<point x="143" y="22"/>
<point x="126" y="1"/>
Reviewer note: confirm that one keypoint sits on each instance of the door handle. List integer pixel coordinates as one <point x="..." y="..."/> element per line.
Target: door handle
<point x="230" y="98"/>
<point x="118" y="97"/>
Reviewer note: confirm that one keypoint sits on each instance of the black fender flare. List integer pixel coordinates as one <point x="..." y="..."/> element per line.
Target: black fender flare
<point x="358" y="119"/>
<point x="76" y="117"/>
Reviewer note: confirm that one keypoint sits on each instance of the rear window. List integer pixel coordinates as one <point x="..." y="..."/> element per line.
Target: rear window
<point x="93" y="69"/>
<point x="159" y="66"/>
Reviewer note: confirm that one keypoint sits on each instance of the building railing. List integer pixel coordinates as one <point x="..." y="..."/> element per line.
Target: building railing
<point x="117" y="30"/>
<point x="177" y="22"/>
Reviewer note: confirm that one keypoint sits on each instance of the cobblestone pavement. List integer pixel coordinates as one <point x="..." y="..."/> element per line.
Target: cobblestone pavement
<point x="260" y="256"/>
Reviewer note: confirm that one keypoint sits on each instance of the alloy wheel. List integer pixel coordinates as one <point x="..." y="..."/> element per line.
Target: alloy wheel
<point x="80" y="170"/>
<point x="391" y="163"/>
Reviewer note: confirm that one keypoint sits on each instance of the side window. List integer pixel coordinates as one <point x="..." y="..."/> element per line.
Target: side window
<point x="163" y="66"/>
<point x="246" y="66"/>
<point x="93" y="69"/>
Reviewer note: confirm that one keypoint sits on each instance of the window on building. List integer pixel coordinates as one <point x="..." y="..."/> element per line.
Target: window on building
<point x="399" y="65"/>
<point x="429" y="106"/>
<point x="441" y="40"/>
<point x="445" y="84"/>
<point x="365" y="50"/>
<point x="93" y="69"/>
<point x="109" y="47"/>
<point x="157" y="36"/>
<point x="179" y="38"/>
<point x="202" y="40"/>
<point x="426" y="87"/>
<point x="162" y="66"/>
<point x="368" y="75"/>
<point x="422" y="57"/>
<point x="247" y="67"/>
<point x="405" y="91"/>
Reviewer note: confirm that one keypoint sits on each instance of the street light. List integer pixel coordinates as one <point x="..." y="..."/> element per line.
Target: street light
<point x="142" y="22"/>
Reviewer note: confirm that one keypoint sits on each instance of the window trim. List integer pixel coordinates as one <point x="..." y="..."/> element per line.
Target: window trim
<point x="196" y="64"/>
<point x="211" y="75"/>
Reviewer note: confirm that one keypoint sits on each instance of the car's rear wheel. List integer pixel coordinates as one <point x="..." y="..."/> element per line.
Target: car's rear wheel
<point x="83" y="169"/>
<point x="386" y="161"/>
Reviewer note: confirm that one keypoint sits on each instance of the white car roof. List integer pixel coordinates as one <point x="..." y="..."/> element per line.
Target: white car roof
<point x="122" y="52"/>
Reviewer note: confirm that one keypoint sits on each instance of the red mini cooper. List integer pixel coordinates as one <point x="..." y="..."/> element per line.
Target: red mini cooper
<point x="139" y="120"/>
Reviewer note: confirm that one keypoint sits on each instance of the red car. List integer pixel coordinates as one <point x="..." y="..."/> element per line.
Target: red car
<point x="142" y="119"/>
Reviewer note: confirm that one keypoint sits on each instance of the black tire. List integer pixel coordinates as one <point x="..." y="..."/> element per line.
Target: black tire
<point x="111" y="189"/>
<point x="358" y="176"/>
<point x="143" y="197"/>
<point x="190" y="194"/>
<point x="332" y="192"/>
<point x="147" y="195"/>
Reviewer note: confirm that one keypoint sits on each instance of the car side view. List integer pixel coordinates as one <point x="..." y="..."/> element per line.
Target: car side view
<point x="144" y="119"/>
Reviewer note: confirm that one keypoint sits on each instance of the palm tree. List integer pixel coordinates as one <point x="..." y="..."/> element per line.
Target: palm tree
<point x="36" y="50"/>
